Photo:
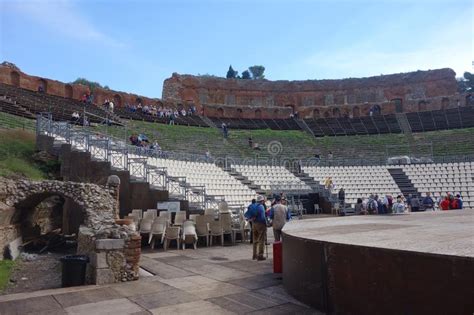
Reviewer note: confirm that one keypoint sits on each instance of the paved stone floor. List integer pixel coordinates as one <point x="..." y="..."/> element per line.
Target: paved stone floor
<point x="216" y="280"/>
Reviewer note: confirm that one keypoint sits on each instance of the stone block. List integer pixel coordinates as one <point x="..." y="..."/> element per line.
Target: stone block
<point x="99" y="260"/>
<point x="107" y="244"/>
<point x="104" y="276"/>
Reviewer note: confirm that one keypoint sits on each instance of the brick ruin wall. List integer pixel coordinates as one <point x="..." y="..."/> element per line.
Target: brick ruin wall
<point x="20" y="79"/>
<point x="405" y="92"/>
<point x="233" y="98"/>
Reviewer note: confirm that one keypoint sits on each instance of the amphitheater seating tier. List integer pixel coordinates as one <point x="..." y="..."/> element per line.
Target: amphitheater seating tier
<point x="443" y="177"/>
<point x="61" y="108"/>
<point x="357" y="181"/>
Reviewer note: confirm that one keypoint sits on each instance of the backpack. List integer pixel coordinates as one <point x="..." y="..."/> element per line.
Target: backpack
<point x="251" y="212"/>
<point x="372" y="205"/>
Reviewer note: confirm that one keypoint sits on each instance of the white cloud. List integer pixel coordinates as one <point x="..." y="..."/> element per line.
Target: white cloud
<point x="61" y="17"/>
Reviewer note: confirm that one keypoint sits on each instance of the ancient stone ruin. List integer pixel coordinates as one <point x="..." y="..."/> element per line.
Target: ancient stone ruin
<point x="113" y="250"/>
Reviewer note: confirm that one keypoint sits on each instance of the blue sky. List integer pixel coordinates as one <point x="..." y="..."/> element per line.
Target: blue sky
<point x="134" y="45"/>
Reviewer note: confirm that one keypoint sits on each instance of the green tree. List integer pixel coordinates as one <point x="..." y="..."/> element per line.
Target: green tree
<point x="246" y="75"/>
<point x="91" y="84"/>
<point x="257" y="72"/>
<point x="469" y="80"/>
<point x="231" y="73"/>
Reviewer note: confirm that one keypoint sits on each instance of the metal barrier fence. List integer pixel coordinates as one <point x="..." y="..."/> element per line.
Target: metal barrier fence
<point x="122" y="156"/>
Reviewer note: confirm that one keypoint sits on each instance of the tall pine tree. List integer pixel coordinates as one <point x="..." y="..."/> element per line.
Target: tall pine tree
<point x="231" y="73"/>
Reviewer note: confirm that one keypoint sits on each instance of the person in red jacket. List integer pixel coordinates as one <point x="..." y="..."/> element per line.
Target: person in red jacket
<point x="444" y="205"/>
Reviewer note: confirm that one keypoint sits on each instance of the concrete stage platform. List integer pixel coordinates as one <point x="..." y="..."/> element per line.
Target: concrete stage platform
<point x="417" y="263"/>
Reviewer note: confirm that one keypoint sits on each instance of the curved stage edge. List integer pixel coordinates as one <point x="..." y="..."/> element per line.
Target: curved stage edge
<point x="419" y="263"/>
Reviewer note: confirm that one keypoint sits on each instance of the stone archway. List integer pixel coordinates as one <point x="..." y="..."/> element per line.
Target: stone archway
<point x="68" y="91"/>
<point x="98" y="205"/>
<point x="421" y="105"/>
<point x="327" y="114"/>
<point x="398" y="105"/>
<point x="316" y="114"/>
<point x="240" y="113"/>
<point x="291" y="106"/>
<point x="336" y="112"/>
<point x="445" y="102"/>
<point x="15" y="78"/>
<point x="43" y="84"/>
<point x="258" y="114"/>
<point x="220" y="112"/>
<point x="276" y="114"/>
<point x="117" y="100"/>
<point x="355" y="111"/>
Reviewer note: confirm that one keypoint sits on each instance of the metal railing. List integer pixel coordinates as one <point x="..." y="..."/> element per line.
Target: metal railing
<point x="123" y="156"/>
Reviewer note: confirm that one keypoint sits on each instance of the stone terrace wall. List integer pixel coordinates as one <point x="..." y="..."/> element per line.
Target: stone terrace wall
<point x="271" y="99"/>
<point x="18" y="78"/>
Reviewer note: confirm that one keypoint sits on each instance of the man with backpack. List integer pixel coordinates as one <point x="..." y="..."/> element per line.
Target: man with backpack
<point x="399" y="206"/>
<point x="372" y="205"/>
<point x="428" y="202"/>
<point x="256" y="215"/>
<point x="415" y="204"/>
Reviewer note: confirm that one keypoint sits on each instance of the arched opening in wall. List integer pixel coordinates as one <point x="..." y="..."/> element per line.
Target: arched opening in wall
<point x="117" y="100"/>
<point x="336" y="112"/>
<point x="421" y="105"/>
<point x="138" y="100"/>
<point x="398" y="105"/>
<point x="240" y="113"/>
<point x="276" y="114"/>
<point x="327" y="114"/>
<point x="469" y="100"/>
<point x="444" y="102"/>
<point x="42" y="85"/>
<point x="220" y="112"/>
<point x="47" y="214"/>
<point x="356" y="112"/>
<point x="68" y="91"/>
<point x="316" y="114"/>
<point x="15" y="78"/>
<point x="258" y="114"/>
<point x="292" y="107"/>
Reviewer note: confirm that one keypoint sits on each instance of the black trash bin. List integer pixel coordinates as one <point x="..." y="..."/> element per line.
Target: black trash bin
<point x="73" y="270"/>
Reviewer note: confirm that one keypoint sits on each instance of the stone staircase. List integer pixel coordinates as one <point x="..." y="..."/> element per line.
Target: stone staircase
<point x="403" y="182"/>
<point x="244" y="180"/>
<point x="304" y="126"/>
<point x="405" y="126"/>
<point x="11" y="107"/>
<point x="208" y="122"/>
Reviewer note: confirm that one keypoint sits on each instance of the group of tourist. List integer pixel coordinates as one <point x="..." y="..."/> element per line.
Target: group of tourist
<point x="261" y="215"/>
<point x="375" y="204"/>
<point x="161" y="111"/>
<point x="87" y="98"/>
<point x="142" y="142"/>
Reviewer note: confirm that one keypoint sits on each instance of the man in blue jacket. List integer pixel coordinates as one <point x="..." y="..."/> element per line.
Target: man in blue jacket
<point x="256" y="215"/>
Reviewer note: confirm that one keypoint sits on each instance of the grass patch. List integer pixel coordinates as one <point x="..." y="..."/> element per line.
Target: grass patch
<point x="16" y="149"/>
<point x="6" y="267"/>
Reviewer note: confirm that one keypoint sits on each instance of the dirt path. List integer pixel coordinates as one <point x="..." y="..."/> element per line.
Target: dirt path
<point x="42" y="273"/>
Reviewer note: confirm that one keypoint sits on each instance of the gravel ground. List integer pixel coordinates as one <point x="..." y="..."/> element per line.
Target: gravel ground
<point x="42" y="273"/>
